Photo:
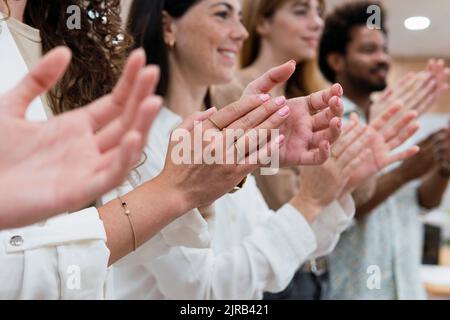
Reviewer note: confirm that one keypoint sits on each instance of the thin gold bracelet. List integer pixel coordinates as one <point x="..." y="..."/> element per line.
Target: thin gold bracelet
<point x="128" y="214"/>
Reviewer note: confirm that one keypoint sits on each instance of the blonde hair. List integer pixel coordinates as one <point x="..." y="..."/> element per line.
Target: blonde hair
<point x="307" y="77"/>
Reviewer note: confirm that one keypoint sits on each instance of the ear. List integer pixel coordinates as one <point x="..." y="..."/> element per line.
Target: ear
<point x="263" y="27"/>
<point x="336" y="62"/>
<point x="169" y="29"/>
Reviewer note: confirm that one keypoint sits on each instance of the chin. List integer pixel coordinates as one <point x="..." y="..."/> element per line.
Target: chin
<point x="224" y="77"/>
<point x="305" y="55"/>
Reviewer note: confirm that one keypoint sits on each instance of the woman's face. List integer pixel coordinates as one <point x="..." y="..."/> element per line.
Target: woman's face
<point x="295" y="29"/>
<point x="208" y="39"/>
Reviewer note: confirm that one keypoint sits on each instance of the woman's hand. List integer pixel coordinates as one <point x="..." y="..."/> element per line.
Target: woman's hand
<point x="386" y="138"/>
<point x="314" y="123"/>
<point x="321" y="185"/>
<point x="233" y="150"/>
<point x="63" y="164"/>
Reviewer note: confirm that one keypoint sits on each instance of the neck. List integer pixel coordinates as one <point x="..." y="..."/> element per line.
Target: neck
<point x="360" y="98"/>
<point x="184" y="96"/>
<point x="17" y="8"/>
<point x="268" y="58"/>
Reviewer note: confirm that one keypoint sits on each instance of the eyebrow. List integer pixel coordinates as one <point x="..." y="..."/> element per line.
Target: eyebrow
<point x="300" y="3"/>
<point x="229" y="6"/>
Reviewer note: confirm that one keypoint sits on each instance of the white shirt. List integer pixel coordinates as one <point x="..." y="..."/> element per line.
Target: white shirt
<point x="253" y="249"/>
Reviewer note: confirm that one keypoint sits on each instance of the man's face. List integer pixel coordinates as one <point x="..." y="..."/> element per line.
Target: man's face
<point x="367" y="60"/>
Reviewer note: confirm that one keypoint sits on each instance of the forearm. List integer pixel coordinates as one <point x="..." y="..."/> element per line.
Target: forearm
<point x="387" y="185"/>
<point x="432" y="189"/>
<point x="244" y="271"/>
<point x="365" y="192"/>
<point x="152" y="205"/>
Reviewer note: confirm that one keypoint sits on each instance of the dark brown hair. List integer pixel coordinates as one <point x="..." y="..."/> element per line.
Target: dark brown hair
<point x="338" y="27"/>
<point x="145" y="24"/>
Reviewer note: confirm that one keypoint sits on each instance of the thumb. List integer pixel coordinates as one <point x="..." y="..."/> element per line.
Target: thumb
<point x="39" y="80"/>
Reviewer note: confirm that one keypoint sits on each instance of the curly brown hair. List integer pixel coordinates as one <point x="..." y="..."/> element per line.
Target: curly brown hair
<point x="99" y="47"/>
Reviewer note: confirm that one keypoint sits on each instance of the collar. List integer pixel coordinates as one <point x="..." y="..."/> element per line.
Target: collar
<point x="13" y="70"/>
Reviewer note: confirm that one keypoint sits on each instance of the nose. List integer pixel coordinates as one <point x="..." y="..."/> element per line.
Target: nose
<point x="383" y="57"/>
<point x="239" y="32"/>
<point x="316" y="22"/>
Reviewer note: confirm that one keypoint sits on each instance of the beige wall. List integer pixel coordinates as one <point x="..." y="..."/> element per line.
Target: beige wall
<point x="401" y="66"/>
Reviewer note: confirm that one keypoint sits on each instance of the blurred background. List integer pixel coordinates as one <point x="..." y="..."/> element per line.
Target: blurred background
<point x="411" y="49"/>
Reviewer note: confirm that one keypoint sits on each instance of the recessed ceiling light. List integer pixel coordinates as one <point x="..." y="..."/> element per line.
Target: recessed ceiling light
<point x="417" y="23"/>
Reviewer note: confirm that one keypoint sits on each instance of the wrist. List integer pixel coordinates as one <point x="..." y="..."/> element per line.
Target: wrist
<point x="402" y="175"/>
<point x="308" y="207"/>
<point x="175" y="200"/>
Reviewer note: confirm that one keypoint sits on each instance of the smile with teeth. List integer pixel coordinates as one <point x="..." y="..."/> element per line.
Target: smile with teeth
<point x="228" y="54"/>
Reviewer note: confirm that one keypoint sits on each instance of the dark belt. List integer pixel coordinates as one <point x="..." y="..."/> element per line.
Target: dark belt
<point x="318" y="266"/>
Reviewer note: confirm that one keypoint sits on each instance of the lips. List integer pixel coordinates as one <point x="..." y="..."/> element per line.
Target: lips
<point x="311" y="41"/>
<point x="381" y="71"/>
<point x="229" y="55"/>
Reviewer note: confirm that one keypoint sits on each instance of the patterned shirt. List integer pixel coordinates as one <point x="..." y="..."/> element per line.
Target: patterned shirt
<point x="379" y="257"/>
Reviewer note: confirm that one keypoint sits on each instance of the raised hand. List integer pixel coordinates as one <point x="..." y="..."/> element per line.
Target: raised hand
<point x="313" y="126"/>
<point x="201" y="181"/>
<point x="386" y="138"/>
<point x="314" y="122"/>
<point x="425" y="160"/>
<point x="324" y="184"/>
<point x="63" y="164"/>
<point x="416" y="91"/>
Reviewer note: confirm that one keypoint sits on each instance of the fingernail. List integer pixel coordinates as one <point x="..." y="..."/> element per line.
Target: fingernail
<point x="341" y="90"/>
<point x="339" y="124"/>
<point x="293" y="62"/>
<point x="280" y="101"/>
<point x="284" y="111"/>
<point x="264" y="97"/>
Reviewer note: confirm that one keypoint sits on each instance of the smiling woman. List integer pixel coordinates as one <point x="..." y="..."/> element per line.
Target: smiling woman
<point x="212" y="51"/>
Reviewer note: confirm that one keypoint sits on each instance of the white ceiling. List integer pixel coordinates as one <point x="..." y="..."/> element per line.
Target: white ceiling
<point x="434" y="41"/>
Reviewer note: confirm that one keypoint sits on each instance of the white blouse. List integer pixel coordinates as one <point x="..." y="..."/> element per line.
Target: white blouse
<point x="252" y="249"/>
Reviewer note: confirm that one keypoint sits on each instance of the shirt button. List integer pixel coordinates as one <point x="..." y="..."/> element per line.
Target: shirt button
<point x="16" y="241"/>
